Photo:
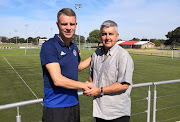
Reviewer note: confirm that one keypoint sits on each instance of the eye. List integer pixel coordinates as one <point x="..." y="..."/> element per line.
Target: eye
<point x="72" y="24"/>
<point x="64" y="24"/>
<point x="103" y="34"/>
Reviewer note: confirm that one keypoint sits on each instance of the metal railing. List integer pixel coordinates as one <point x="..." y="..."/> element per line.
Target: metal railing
<point x="29" y="102"/>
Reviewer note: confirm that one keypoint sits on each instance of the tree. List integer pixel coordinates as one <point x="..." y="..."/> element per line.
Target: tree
<point x="158" y="42"/>
<point x="30" y="40"/>
<point x="4" y="39"/>
<point x="75" y="39"/>
<point x="152" y="40"/>
<point x="13" y="40"/>
<point x="21" y="40"/>
<point x="173" y="36"/>
<point x="94" y="37"/>
<point x="144" y="39"/>
<point x="135" y="39"/>
<point x="43" y="37"/>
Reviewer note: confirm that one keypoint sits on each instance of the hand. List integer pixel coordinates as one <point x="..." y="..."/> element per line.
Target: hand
<point x="94" y="91"/>
<point x="87" y="85"/>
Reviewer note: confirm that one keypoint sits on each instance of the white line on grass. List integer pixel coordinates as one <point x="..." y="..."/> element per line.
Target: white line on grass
<point x="21" y="78"/>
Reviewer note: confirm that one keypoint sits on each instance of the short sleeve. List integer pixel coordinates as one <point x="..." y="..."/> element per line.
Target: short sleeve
<point x="48" y="54"/>
<point x="79" y="58"/>
<point x="125" y="70"/>
<point x="92" y="64"/>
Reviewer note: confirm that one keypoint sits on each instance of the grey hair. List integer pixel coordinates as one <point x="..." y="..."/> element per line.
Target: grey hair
<point x="109" y="23"/>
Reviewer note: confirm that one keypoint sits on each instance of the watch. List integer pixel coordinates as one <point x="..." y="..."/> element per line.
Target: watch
<point x="102" y="91"/>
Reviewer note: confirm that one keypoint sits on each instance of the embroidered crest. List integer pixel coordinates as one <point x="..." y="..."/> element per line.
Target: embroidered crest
<point x="74" y="52"/>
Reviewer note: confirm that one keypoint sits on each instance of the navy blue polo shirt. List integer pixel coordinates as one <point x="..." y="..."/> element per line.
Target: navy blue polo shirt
<point x="54" y="50"/>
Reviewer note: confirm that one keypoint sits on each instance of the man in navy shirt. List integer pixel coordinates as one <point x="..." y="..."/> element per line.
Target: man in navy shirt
<point x="60" y="62"/>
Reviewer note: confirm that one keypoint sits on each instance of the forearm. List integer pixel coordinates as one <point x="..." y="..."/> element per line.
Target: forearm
<point x="62" y="81"/>
<point x="84" y="64"/>
<point x="116" y="87"/>
<point x="68" y="83"/>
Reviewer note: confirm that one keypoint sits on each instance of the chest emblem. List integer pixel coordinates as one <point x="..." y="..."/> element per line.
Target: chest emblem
<point x="63" y="53"/>
<point x="74" y="52"/>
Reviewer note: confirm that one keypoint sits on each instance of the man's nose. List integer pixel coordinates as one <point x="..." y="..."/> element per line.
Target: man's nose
<point x="68" y="27"/>
<point x="107" y="36"/>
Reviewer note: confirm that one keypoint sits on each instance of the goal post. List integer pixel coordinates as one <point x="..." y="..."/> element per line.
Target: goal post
<point x="32" y="51"/>
<point x="87" y="46"/>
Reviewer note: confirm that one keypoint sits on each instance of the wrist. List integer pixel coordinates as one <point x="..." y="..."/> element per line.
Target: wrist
<point x="99" y="91"/>
<point x="83" y="86"/>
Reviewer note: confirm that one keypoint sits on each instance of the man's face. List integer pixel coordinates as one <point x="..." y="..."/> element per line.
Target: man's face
<point x="109" y="37"/>
<point x="67" y="26"/>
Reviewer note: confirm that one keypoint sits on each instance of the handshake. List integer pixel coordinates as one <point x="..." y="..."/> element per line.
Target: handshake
<point x="90" y="89"/>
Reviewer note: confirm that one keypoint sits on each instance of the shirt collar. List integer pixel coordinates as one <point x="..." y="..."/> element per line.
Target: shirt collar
<point x="62" y="43"/>
<point x="112" y="50"/>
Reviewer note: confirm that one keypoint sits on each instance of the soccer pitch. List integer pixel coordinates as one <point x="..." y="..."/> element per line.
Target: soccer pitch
<point x="21" y="80"/>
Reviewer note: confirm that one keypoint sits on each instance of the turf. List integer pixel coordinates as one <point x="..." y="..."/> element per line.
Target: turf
<point x="147" y="69"/>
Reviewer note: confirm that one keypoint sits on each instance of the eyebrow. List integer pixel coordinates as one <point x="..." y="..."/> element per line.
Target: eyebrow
<point x="67" y="23"/>
<point x="106" y="33"/>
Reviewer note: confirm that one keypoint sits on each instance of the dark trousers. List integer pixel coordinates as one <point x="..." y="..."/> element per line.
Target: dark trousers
<point x="66" y="114"/>
<point x="121" y="119"/>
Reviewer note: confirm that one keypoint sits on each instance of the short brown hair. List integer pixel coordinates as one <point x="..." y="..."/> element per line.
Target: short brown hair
<point x="65" y="11"/>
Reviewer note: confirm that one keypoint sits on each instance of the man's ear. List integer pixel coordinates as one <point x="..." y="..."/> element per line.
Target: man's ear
<point x="117" y="36"/>
<point x="57" y="24"/>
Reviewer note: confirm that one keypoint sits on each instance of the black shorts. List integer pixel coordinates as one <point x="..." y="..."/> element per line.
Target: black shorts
<point x="120" y="119"/>
<point x="66" y="114"/>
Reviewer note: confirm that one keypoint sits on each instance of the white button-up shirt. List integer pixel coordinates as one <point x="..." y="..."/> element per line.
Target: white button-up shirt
<point x="117" y="66"/>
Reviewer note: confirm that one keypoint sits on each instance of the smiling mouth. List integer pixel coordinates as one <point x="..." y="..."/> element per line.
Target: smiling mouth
<point x="68" y="33"/>
<point x="107" y="41"/>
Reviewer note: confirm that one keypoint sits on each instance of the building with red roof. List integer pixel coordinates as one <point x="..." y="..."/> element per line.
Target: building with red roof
<point x="136" y="44"/>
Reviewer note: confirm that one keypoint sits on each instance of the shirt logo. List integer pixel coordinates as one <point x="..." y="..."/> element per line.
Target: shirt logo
<point x="74" y="52"/>
<point x="63" y="53"/>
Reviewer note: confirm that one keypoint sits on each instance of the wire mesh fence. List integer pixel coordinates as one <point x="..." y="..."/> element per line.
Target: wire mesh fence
<point x="156" y="52"/>
<point x="168" y="104"/>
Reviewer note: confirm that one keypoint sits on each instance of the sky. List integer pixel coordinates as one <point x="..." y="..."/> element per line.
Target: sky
<point x="151" y="19"/>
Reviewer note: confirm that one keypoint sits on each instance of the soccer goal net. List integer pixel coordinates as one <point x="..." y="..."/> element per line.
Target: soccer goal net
<point x="32" y="51"/>
<point x="175" y="54"/>
<point x="87" y="46"/>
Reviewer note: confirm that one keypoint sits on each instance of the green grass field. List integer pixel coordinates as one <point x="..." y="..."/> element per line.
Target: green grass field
<point x="147" y="69"/>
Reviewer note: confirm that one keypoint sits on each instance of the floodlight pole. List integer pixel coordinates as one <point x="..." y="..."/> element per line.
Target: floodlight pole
<point x="78" y="6"/>
<point x="85" y="37"/>
<point x="26" y="25"/>
<point x="51" y="31"/>
<point x="10" y="37"/>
